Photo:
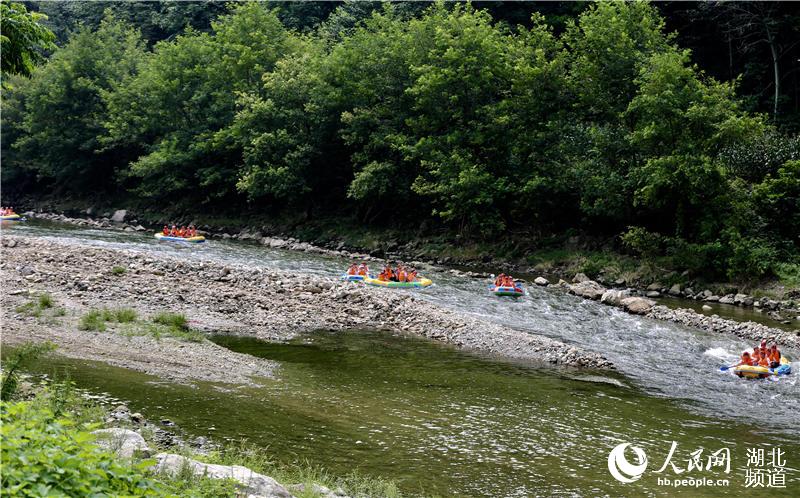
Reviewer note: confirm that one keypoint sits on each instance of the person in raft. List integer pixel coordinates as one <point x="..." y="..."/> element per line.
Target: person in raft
<point x="504" y="280"/>
<point x="7" y="211"/>
<point x="183" y="232"/>
<point x="762" y="356"/>
<point x="400" y="274"/>
<point x="358" y="269"/>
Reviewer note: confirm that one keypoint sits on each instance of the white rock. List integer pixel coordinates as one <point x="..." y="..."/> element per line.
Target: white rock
<point x="123" y="442"/>
<point x="119" y="215"/>
<point x="541" y="281"/>
<point x="254" y="484"/>
<point x="637" y="305"/>
<point x="579" y="278"/>
<point x="588" y="289"/>
<point x="613" y="297"/>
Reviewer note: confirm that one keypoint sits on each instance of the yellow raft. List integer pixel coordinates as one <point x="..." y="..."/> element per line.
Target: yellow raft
<point x="11" y="217"/>
<point x="419" y="282"/>
<point x="750" y="372"/>
<point x="191" y="240"/>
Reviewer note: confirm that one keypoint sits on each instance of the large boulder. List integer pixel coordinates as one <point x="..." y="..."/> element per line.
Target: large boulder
<point x="637" y="305"/>
<point x="727" y="299"/>
<point x="119" y="215"/>
<point x="675" y="290"/>
<point x="580" y="278"/>
<point x="588" y="289"/>
<point x="541" y="281"/>
<point x="613" y="297"/>
<point x="253" y="484"/>
<point x="123" y="442"/>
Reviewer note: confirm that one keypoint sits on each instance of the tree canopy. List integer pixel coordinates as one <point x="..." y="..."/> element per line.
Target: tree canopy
<point x="598" y="121"/>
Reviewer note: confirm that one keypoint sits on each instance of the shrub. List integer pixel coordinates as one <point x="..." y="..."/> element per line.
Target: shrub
<point x="174" y="320"/>
<point x="93" y="320"/>
<point x="25" y="354"/>
<point x="125" y="315"/>
<point x="43" y="455"/>
<point x="118" y="270"/>
<point x="45" y="301"/>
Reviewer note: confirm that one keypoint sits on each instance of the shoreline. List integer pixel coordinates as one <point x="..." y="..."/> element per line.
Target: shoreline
<point x="262" y="303"/>
<point x="723" y="293"/>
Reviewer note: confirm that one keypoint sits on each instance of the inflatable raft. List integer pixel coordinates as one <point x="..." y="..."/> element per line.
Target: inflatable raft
<point x="11" y="217"/>
<point x="418" y="283"/>
<point x="191" y="240"/>
<point x="353" y="278"/>
<point x="749" y="372"/>
<point x="515" y="291"/>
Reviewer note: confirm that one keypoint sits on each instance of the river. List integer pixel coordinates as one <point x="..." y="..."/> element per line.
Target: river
<point x="445" y="422"/>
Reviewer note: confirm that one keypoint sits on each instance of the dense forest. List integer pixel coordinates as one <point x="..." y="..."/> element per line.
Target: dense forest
<point x="671" y="129"/>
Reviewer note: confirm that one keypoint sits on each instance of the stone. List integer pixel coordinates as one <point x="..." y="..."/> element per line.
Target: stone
<point x="579" y="278"/>
<point x="707" y="293"/>
<point x="541" y="281"/>
<point x="125" y="443"/>
<point x="712" y="298"/>
<point x="119" y="215"/>
<point x="137" y="418"/>
<point x="318" y="490"/>
<point x="675" y="290"/>
<point x="654" y="286"/>
<point x="653" y="293"/>
<point x="707" y="307"/>
<point x="739" y="298"/>
<point x="613" y="297"/>
<point x="253" y="483"/>
<point x="588" y="289"/>
<point x="727" y="299"/>
<point x="637" y="305"/>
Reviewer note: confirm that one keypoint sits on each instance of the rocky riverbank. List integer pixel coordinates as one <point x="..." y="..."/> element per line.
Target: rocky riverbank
<point x="268" y="304"/>
<point x="628" y="300"/>
<point x="784" y="310"/>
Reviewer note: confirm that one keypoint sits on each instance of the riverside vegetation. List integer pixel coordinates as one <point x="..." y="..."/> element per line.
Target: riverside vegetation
<point x="57" y="442"/>
<point x="443" y="122"/>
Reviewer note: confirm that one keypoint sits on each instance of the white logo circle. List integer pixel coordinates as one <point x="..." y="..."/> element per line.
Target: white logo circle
<point x="619" y="466"/>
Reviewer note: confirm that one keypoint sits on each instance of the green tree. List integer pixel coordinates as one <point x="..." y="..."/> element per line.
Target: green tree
<point x="65" y="110"/>
<point x="23" y="39"/>
<point x="185" y="93"/>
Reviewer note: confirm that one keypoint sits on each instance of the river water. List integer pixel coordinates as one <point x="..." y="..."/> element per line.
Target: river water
<point x="445" y="422"/>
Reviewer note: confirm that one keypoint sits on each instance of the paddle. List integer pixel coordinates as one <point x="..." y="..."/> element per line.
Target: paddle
<point x="725" y="368"/>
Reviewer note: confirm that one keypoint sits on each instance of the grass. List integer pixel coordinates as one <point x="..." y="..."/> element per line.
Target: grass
<point x="93" y="320"/>
<point x="174" y="320"/>
<point x="118" y="270"/>
<point x="96" y="319"/>
<point x="41" y="306"/>
<point x="163" y="324"/>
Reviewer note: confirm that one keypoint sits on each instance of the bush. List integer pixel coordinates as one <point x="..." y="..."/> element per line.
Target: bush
<point x="118" y="270"/>
<point x="93" y="320"/>
<point x="25" y="354"/>
<point x="45" y="301"/>
<point x="125" y="315"/>
<point x="43" y="455"/>
<point x="751" y="259"/>
<point x="174" y="320"/>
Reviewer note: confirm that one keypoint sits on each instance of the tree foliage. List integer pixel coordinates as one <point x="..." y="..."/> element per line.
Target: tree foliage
<point x="598" y="122"/>
<point x="22" y="39"/>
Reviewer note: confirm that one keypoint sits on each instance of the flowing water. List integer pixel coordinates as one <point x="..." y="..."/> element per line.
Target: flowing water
<point x="446" y="422"/>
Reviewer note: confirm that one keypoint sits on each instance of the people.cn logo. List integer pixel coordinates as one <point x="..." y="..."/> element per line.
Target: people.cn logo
<point x="621" y="469"/>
